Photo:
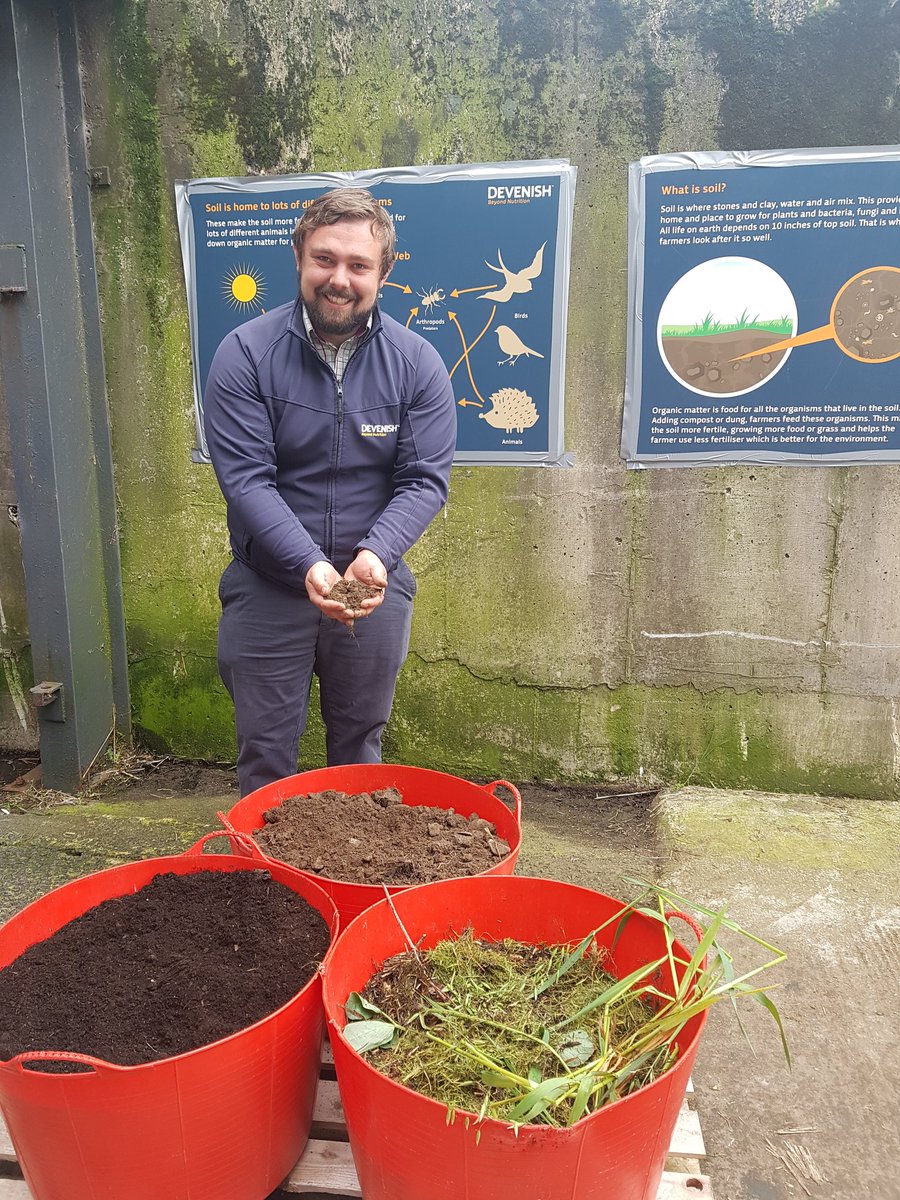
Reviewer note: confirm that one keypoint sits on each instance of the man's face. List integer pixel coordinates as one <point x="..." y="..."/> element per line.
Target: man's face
<point x="340" y="274"/>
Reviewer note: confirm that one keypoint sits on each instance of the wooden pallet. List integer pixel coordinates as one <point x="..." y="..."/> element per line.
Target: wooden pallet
<point x="326" y="1166"/>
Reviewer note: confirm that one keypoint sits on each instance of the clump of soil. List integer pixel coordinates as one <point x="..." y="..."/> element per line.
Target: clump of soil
<point x="351" y="593"/>
<point x="185" y="961"/>
<point x="373" y="837"/>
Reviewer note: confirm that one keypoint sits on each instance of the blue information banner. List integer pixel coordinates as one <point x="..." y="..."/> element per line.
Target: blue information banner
<point x="481" y="271"/>
<point x="764" y="311"/>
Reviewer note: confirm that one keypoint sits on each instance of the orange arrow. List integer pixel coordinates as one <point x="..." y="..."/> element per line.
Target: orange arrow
<point x="804" y="339"/>
<point x="404" y="287"/>
<point x="462" y="338"/>
<point x="413" y="312"/>
<point x="475" y="343"/>
<point x="485" y="287"/>
<point x="464" y="403"/>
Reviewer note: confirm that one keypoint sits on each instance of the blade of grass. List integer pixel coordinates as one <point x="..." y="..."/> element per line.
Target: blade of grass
<point x="582" y="1096"/>
<point x="540" y="1097"/>
<point x="566" y="965"/>
<point x="613" y="992"/>
<point x="727" y="923"/>
<point x="700" y="953"/>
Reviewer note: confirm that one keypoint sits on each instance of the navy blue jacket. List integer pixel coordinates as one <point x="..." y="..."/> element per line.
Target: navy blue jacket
<point x="312" y="469"/>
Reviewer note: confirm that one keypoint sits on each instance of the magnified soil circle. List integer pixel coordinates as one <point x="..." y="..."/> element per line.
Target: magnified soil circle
<point x="866" y="315"/>
<point x="706" y="362"/>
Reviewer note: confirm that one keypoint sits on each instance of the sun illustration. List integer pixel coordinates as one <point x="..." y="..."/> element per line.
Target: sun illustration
<point x="244" y="288"/>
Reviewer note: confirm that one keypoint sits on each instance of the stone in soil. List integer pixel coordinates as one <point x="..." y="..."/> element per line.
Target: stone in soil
<point x="185" y="961"/>
<point x="373" y="838"/>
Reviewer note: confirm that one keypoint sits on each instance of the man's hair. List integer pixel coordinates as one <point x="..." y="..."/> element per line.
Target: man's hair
<point x="349" y="204"/>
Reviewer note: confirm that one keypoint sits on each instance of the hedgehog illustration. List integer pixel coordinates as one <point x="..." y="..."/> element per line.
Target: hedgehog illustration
<point x="513" y="410"/>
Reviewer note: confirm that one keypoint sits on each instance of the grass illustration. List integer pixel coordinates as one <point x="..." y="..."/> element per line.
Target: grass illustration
<point x="709" y="326"/>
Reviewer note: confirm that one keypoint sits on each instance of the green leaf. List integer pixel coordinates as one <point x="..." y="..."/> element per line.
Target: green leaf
<point x="582" y="1096"/>
<point x="358" y="1008"/>
<point x="769" y="1006"/>
<point x="626" y="916"/>
<point x="635" y="1065"/>
<point x="495" y="1079"/>
<point x="676" y="900"/>
<point x="613" y="992"/>
<point x="576" y="1049"/>
<point x="540" y="1098"/>
<point x="566" y="965"/>
<point x="369" y="1035"/>
<point x="700" y="952"/>
<point x="534" y="1074"/>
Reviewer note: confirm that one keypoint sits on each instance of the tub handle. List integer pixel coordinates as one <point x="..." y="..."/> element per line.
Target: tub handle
<point x="245" y="843"/>
<point x="97" y="1065"/>
<point x="695" y="928"/>
<point x="498" y="783"/>
<point x="242" y="843"/>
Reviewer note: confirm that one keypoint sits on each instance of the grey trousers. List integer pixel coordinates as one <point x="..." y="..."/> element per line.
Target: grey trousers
<point x="272" y="639"/>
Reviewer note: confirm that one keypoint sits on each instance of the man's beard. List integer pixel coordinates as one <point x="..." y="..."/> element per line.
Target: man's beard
<point x="335" y="323"/>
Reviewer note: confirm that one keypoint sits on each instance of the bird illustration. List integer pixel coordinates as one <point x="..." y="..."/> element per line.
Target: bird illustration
<point x="517" y="282"/>
<point x="513" y="346"/>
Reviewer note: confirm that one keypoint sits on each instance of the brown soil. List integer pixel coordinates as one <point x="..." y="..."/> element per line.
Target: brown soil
<point x="181" y="963"/>
<point x="706" y="363"/>
<point x="867" y="315"/>
<point x="351" y="593"/>
<point x="376" y="838"/>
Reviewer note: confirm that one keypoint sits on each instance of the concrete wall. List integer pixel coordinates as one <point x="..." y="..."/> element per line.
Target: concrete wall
<point x="18" y="728"/>
<point x="735" y="626"/>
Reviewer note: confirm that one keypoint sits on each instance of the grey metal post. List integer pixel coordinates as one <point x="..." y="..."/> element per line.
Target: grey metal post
<point x="51" y="367"/>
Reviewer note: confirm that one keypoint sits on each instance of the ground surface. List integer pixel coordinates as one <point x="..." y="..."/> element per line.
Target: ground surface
<point x="818" y="877"/>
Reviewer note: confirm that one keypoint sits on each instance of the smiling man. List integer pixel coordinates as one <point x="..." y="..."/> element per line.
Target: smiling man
<point x="331" y="429"/>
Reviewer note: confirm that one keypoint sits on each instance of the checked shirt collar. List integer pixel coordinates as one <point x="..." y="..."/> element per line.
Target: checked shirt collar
<point x="335" y="357"/>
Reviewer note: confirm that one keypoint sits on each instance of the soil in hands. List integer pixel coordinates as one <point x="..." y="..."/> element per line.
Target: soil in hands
<point x="351" y="593"/>
<point x="373" y="837"/>
<point x="183" y="962"/>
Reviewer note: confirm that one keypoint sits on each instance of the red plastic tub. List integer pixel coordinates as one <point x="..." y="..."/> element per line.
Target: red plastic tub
<point x="225" y="1122"/>
<point x="404" y="1146"/>
<point x="416" y="785"/>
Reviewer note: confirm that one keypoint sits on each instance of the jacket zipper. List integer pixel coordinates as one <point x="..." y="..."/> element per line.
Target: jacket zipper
<point x="337" y="460"/>
<point x="331" y="518"/>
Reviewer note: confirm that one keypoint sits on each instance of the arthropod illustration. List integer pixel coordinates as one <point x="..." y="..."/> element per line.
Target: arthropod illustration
<point x="431" y="298"/>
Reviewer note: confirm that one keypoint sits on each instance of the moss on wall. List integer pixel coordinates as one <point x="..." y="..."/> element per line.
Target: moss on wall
<point x="829" y="79"/>
<point x="18" y="727"/>
<point x="494" y="685"/>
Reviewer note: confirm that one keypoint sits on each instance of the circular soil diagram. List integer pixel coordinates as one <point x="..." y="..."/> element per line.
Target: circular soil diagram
<point x="719" y="311"/>
<point x="866" y="315"/>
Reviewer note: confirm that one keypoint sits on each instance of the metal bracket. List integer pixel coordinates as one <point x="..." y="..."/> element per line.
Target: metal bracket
<point x="48" y="695"/>
<point x="13" y="279"/>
